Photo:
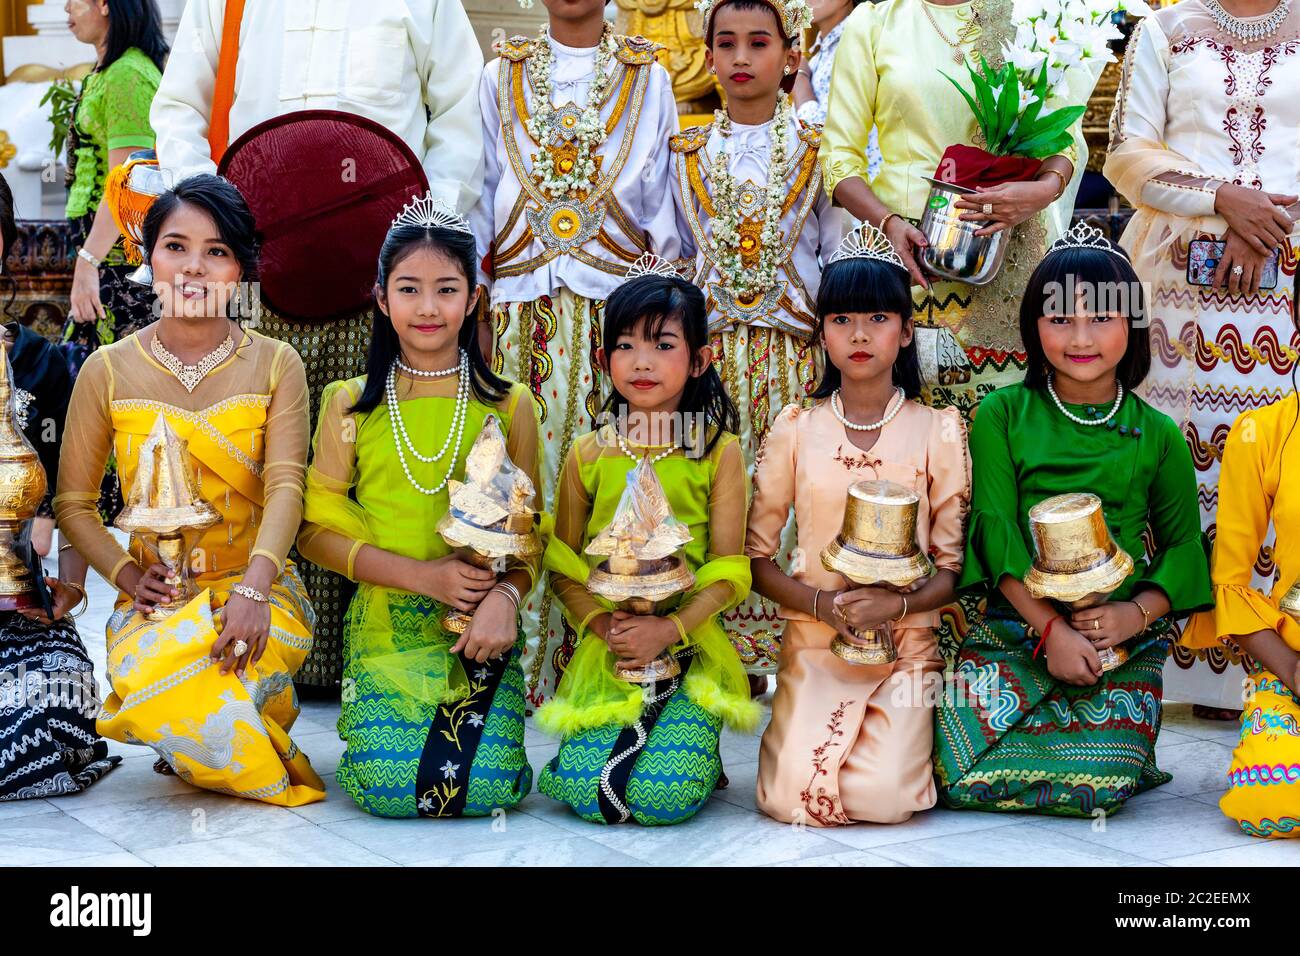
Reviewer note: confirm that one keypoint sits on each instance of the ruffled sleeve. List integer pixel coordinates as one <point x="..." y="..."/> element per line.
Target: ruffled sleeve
<point x="1248" y="483"/>
<point x="850" y="109"/>
<point x="994" y="544"/>
<point x="1180" y="565"/>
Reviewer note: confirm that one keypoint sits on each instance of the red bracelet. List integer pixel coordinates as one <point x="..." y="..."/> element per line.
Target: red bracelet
<point x="1046" y="631"/>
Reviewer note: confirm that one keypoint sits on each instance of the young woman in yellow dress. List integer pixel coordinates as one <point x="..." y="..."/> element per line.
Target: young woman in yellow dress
<point x="434" y="723"/>
<point x="210" y="687"/>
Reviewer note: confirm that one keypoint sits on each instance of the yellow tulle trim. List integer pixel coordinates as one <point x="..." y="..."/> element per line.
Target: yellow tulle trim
<point x="737" y="711"/>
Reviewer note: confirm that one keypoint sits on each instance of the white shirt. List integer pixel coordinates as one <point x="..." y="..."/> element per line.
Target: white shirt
<point x="820" y="226"/>
<point x="641" y="187"/>
<point x="381" y="59"/>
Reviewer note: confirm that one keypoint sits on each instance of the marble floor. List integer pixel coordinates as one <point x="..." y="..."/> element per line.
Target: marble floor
<point x="134" y="817"/>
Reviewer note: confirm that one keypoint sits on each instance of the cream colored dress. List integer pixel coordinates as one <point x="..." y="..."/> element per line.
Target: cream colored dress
<point x="849" y="742"/>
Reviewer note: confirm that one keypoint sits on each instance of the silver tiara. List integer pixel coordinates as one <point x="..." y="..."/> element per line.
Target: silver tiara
<point x="867" y="242"/>
<point x="428" y="212"/>
<point x="1084" y="236"/>
<point x="652" y="265"/>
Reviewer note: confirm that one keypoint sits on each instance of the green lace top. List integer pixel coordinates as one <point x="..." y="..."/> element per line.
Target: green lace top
<point x="113" y="113"/>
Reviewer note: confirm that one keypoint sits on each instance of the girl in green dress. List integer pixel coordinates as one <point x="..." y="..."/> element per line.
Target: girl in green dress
<point x="649" y="752"/>
<point x="1044" y="729"/>
<point x="434" y="724"/>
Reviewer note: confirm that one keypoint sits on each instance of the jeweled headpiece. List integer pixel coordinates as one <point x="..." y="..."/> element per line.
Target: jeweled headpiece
<point x="428" y="212"/>
<point x="1084" y="236"/>
<point x="652" y="265"/>
<point x="795" y="15"/>
<point x="867" y="242"/>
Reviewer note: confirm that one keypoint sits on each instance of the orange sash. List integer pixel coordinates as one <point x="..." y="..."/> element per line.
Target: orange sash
<point x="223" y="95"/>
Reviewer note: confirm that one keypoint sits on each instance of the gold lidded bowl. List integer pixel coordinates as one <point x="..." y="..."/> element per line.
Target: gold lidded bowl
<point x="1076" y="559"/>
<point x="877" y="541"/>
<point x="22" y="486"/>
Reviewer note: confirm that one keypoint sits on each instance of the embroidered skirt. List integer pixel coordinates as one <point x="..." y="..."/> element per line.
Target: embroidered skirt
<point x="660" y="770"/>
<point x="1013" y="737"/>
<point x="412" y="752"/>
<point x="218" y="731"/>
<point x="550" y="345"/>
<point x="849" y="742"/>
<point x="48" y="703"/>
<point x="1264" y="779"/>
<point x="764" y="370"/>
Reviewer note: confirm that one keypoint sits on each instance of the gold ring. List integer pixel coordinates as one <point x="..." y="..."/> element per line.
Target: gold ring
<point x="1096" y="624"/>
<point x="988" y="209"/>
<point x="239" y="648"/>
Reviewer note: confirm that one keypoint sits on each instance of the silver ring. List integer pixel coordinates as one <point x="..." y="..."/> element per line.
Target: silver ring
<point x="239" y="648"/>
<point x="1238" y="270"/>
<point x="988" y="209"/>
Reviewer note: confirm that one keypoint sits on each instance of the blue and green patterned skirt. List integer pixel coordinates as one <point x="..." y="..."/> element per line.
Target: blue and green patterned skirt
<point x="466" y="759"/>
<point x="661" y="770"/>
<point x="1010" y="736"/>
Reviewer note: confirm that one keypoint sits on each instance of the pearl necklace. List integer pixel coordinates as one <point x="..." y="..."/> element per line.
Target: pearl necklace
<point x="421" y="373"/>
<point x="628" y="451"/>
<point x="400" y="437"/>
<point x="896" y="405"/>
<point x="1248" y="30"/>
<point x="191" y="375"/>
<point x="1091" y="422"/>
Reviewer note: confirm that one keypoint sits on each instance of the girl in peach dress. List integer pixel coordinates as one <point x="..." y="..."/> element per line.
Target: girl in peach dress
<point x="851" y="742"/>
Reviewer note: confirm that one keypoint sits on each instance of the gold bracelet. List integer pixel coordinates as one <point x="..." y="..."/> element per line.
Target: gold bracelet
<point x="903" y="613"/>
<point x="65" y="546"/>
<point x="816" y="598"/>
<point x="1064" y="182"/>
<point x="1146" y="617"/>
<point x="85" y="598"/>
<point x="885" y="218"/>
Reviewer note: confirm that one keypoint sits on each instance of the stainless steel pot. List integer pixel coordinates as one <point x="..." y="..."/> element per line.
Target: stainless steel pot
<point x="954" y="251"/>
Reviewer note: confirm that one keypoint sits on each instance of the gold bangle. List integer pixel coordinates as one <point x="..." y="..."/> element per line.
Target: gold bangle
<point x="1064" y="182"/>
<point x="903" y="613"/>
<point x="65" y="546"/>
<point x="816" y="598"/>
<point x="885" y="218"/>
<point x="1146" y="616"/>
<point x="85" y="598"/>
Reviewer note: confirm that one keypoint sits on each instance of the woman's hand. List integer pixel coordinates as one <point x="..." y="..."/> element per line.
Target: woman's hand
<point x="866" y="607"/>
<point x="637" y="639"/>
<point x="1256" y="216"/>
<point x="492" y="630"/>
<point x="1109" y="624"/>
<point x="154" y="587"/>
<point x="454" y="582"/>
<point x="1012" y="204"/>
<point x="86" y="305"/>
<point x="63" y="599"/>
<point x="1238" y="252"/>
<point x="246" y="620"/>
<point x="907" y="241"/>
<point x="1071" y="658"/>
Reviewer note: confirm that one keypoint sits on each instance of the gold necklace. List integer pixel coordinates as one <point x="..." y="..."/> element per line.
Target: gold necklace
<point x="191" y="375"/>
<point x="965" y="36"/>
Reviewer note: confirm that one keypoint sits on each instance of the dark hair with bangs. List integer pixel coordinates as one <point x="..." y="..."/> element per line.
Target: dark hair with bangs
<point x="224" y="205"/>
<point x="1099" y="272"/>
<point x="749" y="5"/>
<point x="867" y="285"/>
<point x="386" y="347"/>
<point x="652" y="301"/>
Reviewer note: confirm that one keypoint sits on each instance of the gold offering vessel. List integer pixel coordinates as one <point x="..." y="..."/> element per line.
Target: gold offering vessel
<point x="166" y="511"/>
<point x="1290" y="603"/>
<point x="1076" y="562"/>
<point x="877" y="546"/>
<point x="642" y="572"/>
<point x="22" y="486"/>
<point x="491" y="523"/>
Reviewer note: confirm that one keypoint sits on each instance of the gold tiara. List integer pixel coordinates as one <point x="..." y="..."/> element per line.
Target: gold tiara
<point x="652" y="265"/>
<point x="795" y="15"/>
<point x="430" y="213"/>
<point x="867" y="242"/>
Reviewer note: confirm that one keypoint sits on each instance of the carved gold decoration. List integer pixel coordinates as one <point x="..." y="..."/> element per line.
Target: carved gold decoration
<point x="679" y="28"/>
<point x="22" y="486"/>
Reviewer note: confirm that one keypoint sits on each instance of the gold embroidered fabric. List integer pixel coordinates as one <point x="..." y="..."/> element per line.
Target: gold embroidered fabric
<point x="261" y="376"/>
<point x="727" y="507"/>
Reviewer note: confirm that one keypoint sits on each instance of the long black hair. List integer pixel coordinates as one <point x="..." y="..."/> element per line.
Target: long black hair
<point x="135" y="23"/>
<point x="1099" y="272"/>
<point x="652" y="301"/>
<point x="8" y="225"/>
<point x="385" y="347"/>
<point x="218" y="197"/>
<point x="867" y="285"/>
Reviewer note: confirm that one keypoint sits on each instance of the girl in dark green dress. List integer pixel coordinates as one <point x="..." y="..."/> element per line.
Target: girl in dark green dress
<point x="1045" y="729"/>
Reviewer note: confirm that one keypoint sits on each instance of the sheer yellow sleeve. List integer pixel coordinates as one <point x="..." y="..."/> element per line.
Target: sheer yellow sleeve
<point x="87" y="441"/>
<point x="728" y="502"/>
<point x="284" y="472"/>
<point x="572" y="509"/>
<point x="330" y="478"/>
<point x="850" y="110"/>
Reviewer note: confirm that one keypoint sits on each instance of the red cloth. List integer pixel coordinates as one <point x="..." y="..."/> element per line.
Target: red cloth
<point x="976" y="168"/>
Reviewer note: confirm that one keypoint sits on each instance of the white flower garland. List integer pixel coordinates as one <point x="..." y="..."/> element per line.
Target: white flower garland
<point x="590" y="130"/>
<point x="740" y="281"/>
